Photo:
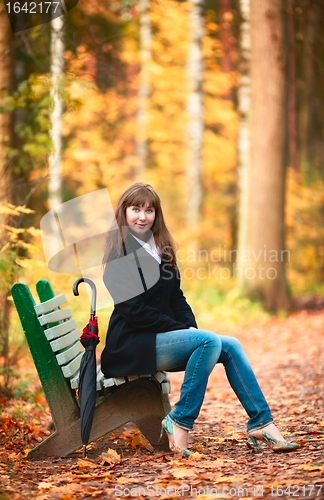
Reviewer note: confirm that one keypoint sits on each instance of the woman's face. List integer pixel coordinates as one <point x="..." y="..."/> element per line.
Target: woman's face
<point x="140" y="218"/>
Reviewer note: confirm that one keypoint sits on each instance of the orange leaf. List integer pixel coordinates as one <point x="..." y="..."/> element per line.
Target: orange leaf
<point x="111" y="457"/>
<point x="229" y="479"/>
<point x="86" y="464"/>
<point x="141" y="441"/>
<point x="181" y="473"/>
<point x="195" y="455"/>
<point x="126" y="480"/>
<point x="45" y="485"/>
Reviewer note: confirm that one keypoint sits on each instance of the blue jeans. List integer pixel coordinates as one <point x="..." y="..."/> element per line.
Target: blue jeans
<point x="196" y="352"/>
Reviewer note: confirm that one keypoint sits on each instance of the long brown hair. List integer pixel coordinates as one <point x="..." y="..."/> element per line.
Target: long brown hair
<point x="139" y="194"/>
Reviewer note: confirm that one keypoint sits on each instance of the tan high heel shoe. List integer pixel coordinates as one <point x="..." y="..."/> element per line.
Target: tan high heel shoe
<point x="166" y="426"/>
<point x="276" y="445"/>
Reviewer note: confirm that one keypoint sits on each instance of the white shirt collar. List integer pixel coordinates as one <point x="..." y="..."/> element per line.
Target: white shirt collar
<point x="150" y="247"/>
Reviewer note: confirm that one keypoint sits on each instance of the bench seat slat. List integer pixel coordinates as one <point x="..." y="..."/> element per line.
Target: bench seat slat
<point x="161" y="377"/>
<point x="108" y="382"/>
<point x="166" y="387"/>
<point x="74" y="381"/>
<point x="52" y="317"/>
<point x="100" y="379"/>
<point x="50" y="305"/>
<point x="65" y="340"/>
<point x="59" y="330"/>
<point x="119" y="380"/>
<point x="70" y="370"/>
<point x="69" y="354"/>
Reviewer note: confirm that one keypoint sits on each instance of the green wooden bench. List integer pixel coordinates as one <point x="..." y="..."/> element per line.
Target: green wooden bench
<point x="53" y="339"/>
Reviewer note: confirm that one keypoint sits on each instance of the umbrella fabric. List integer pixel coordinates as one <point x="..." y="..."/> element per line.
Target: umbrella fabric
<point x="88" y="378"/>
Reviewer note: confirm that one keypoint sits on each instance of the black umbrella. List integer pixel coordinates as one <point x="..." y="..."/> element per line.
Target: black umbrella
<point x="88" y="367"/>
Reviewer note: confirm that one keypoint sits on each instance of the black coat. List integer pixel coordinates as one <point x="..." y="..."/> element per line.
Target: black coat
<point x="148" y="300"/>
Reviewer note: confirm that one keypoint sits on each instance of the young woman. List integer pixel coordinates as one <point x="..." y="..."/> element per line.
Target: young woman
<point x="153" y="328"/>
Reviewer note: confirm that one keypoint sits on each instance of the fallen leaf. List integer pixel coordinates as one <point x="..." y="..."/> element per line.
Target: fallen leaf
<point x="195" y="455"/>
<point x="44" y="486"/>
<point x="96" y="493"/>
<point x="181" y="473"/>
<point x="90" y="476"/>
<point x="227" y="479"/>
<point x="126" y="480"/>
<point x="140" y="441"/>
<point x="86" y="464"/>
<point x="310" y="467"/>
<point x="110" y="456"/>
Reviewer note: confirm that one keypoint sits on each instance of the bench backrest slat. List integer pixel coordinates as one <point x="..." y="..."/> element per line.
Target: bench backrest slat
<point x="50" y="305"/>
<point x="71" y="369"/>
<point x="65" y="341"/>
<point x="69" y="354"/>
<point x="52" y="317"/>
<point x="57" y="331"/>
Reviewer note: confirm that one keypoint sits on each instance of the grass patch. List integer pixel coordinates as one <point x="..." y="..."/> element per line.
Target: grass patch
<point x="218" y="309"/>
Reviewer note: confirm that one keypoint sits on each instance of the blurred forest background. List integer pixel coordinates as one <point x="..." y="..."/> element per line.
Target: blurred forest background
<point x="217" y="104"/>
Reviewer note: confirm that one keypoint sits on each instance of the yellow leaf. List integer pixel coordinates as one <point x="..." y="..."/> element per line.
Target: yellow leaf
<point x="14" y="230"/>
<point x="3" y="249"/>
<point x="176" y="463"/>
<point x="7" y="210"/>
<point x="195" y="455"/>
<point x="25" y="210"/>
<point x="33" y="231"/>
<point x="310" y="467"/>
<point x="23" y="263"/>
<point x="274" y="485"/>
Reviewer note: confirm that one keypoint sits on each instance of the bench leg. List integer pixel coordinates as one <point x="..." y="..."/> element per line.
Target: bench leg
<point x="139" y="401"/>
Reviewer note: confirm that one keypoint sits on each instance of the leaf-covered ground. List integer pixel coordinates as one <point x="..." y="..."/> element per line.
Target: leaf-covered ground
<point x="288" y="358"/>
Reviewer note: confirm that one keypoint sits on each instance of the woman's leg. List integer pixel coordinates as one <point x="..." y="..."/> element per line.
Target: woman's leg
<point x="242" y="380"/>
<point x="196" y="352"/>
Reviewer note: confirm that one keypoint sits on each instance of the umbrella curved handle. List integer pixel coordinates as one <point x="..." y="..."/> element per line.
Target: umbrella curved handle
<point x="94" y="292"/>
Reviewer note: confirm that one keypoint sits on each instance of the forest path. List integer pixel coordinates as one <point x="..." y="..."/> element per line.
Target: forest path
<point x="288" y="358"/>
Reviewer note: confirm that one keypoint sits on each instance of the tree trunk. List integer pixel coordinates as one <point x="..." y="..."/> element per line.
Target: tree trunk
<point x="292" y="118"/>
<point x="144" y="88"/>
<point x="54" y="161"/>
<point x="6" y="141"/>
<point x="263" y="271"/>
<point x="243" y="144"/>
<point x="195" y="112"/>
<point x="225" y="37"/>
